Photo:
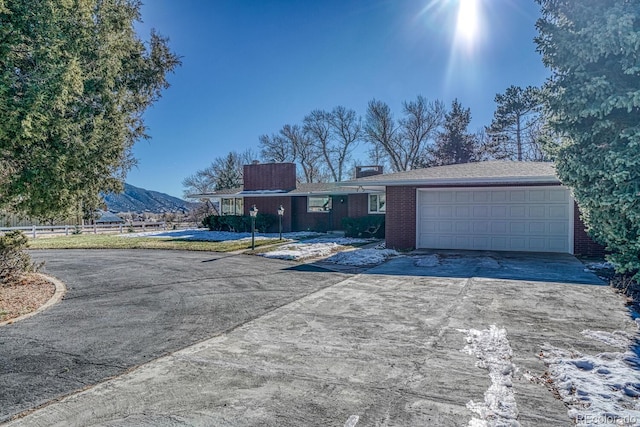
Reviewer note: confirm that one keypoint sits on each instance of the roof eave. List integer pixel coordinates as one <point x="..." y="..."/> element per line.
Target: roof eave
<point x="457" y="181"/>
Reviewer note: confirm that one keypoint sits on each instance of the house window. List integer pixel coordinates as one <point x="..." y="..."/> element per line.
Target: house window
<point x="233" y="206"/>
<point x="319" y="204"/>
<point x="377" y="203"/>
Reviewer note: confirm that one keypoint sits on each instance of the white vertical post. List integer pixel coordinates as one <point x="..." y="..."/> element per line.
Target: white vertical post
<point x="95" y="229"/>
<point x="34" y="231"/>
<point x="120" y="228"/>
<point x="66" y="230"/>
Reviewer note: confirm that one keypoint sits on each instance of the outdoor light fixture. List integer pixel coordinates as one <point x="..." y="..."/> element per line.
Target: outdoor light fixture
<point x="253" y="212"/>
<point x="280" y="215"/>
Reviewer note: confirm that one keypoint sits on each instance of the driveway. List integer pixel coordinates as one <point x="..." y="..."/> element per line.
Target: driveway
<point x="380" y="348"/>
<point x="127" y="307"/>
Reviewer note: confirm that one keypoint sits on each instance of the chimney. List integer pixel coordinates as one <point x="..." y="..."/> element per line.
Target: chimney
<point x="269" y="176"/>
<point x="363" y="171"/>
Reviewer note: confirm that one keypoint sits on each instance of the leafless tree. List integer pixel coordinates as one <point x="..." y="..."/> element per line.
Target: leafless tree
<point x="381" y="131"/>
<point x="335" y="135"/>
<point x="347" y="130"/>
<point x="306" y="153"/>
<point x="403" y="142"/>
<point x="276" y="149"/>
<point x="419" y="125"/>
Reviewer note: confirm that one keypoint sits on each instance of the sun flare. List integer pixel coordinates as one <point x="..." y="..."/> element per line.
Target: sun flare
<point x="468" y="23"/>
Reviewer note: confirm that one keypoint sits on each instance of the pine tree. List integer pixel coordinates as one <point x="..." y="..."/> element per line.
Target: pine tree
<point x="75" y="80"/>
<point x="592" y="49"/>
<point x="454" y="145"/>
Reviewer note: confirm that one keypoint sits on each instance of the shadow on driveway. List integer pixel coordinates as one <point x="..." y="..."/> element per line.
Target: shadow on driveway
<point x="539" y="267"/>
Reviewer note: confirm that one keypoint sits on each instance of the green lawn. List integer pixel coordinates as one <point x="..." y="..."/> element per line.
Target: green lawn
<point x="105" y="241"/>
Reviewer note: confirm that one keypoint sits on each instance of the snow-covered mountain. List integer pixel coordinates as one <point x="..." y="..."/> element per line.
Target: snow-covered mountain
<point x="135" y="199"/>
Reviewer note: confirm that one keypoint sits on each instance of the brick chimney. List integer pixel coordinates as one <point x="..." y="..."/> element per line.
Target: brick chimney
<point x="269" y="176"/>
<point x="362" y="171"/>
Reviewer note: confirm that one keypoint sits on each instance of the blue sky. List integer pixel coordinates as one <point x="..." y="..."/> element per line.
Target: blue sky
<point x="249" y="67"/>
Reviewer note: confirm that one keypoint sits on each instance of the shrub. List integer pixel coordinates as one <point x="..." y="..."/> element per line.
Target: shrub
<point x="211" y="222"/>
<point x="365" y="226"/>
<point x="14" y="261"/>
<point x="265" y="222"/>
<point x="235" y="223"/>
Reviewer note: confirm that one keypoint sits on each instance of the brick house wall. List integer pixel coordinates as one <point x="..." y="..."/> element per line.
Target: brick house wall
<point x="358" y="205"/>
<point x="270" y="205"/>
<point x="303" y="220"/>
<point x="583" y="245"/>
<point x="400" y="221"/>
<point x="269" y="176"/>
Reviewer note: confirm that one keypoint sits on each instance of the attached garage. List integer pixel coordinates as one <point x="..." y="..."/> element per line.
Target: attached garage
<point x="493" y="206"/>
<point x="536" y="219"/>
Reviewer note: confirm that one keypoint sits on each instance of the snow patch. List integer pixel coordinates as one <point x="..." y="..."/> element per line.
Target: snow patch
<point x="494" y="353"/>
<point x="619" y="339"/>
<point x="361" y="257"/>
<point x="595" y="266"/>
<point x="337" y="240"/>
<point x="300" y="251"/>
<point x="199" y="234"/>
<point x="427" y="261"/>
<point x="600" y="389"/>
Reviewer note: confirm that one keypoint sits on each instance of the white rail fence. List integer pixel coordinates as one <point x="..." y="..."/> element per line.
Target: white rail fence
<point x="34" y="230"/>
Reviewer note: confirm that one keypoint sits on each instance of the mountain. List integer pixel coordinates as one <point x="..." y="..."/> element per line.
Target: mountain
<point x="136" y="199"/>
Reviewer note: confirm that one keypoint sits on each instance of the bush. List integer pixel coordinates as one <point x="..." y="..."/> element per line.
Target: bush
<point x="14" y="261"/>
<point x="365" y="226"/>
<point x="234" y="223"/>
<point x="265" y="222"/>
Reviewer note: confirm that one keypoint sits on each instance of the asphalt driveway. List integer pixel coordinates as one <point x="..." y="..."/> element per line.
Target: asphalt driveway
<point x="127" y="307"/>
<point x="380" y="348"/>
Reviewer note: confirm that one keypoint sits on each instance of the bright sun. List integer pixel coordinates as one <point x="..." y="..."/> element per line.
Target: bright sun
<point x="468" y="23"/>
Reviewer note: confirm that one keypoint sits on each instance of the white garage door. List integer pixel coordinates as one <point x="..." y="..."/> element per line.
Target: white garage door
<point x="536" y="219"/>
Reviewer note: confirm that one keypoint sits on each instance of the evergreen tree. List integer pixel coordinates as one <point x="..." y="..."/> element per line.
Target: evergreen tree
<point x="75" y="80"/>
<point x="454" y="145"/>
<point x="518" y="124"/>
<point x="591" y="47"/>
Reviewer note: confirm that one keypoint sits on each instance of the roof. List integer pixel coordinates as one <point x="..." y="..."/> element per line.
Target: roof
<point x="106" y="216"/>
<point x="467" y="173"/>
<point x="302" y="189"/>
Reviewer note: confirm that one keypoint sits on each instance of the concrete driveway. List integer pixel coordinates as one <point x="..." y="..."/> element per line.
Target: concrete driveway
<point x="380" y="348"/>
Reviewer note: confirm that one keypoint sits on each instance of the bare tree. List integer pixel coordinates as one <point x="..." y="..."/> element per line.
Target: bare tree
<point x="404" y="142"/>
<point x="335" y="135"/>
<point x="382" y="132"/>
<point x="276" y="149"/>
<point x="422" y="120"/>
<point x="347" y="129"/>
<point x="306" y="153"/>
<point x="317" y="127"/>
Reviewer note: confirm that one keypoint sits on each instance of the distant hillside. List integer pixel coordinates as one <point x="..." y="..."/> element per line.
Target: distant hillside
<point x="136" y="199"/>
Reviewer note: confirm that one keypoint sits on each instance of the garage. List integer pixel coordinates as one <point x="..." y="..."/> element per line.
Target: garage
<point x="533" y="219"/>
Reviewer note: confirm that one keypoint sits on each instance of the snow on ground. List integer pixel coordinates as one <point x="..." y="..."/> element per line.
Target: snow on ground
<point x="338" y="240"/>
<point x="312" y="248"/>
<point x="600" y="389"/>
<point x="362" y="257"/>
<point x="300" y="251"/>
<point x="493" y="351"/>
<point x="201" y="234"/>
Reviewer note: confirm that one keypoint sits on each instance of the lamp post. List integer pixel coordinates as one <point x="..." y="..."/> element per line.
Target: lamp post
<point x="280" y="215"/>
<point x="253" y="212"/>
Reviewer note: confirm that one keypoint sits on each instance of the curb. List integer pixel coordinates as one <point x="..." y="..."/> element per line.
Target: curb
<point x="57" y="296"/>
